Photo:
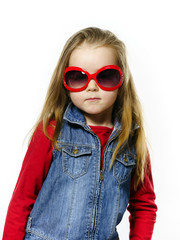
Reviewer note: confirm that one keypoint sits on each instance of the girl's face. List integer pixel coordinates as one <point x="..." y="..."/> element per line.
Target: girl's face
<point x="96" y="104"/>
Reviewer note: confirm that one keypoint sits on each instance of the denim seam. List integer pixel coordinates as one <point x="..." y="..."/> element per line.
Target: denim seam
<point x="98" y="150"/>
<point x="29" y="223"/>
<point x="99" y="204"/>
<point x="70" y="211"/>
<point x="62" y="144"/>
<point x="95" y="187"/>
<point x="116" y="214"/>
<point x="83" y="172"/>
<point x="93" y="190"/>
<point x="127" y="176"/>
<point x="36" y="233"/>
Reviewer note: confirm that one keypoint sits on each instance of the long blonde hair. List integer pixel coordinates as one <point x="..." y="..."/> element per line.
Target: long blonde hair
<point x="127" y="106"/>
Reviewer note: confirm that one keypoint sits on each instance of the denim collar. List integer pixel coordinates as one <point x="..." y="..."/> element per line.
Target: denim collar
<point x="75" y="115"/>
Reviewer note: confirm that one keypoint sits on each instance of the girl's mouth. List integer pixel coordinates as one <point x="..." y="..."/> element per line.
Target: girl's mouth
<point x="93" y="99"/>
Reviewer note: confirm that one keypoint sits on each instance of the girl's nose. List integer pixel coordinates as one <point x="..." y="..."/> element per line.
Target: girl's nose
<point x="92" y="86"/>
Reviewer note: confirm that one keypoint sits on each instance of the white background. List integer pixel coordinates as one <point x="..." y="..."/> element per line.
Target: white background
<point x="32" y="35"/>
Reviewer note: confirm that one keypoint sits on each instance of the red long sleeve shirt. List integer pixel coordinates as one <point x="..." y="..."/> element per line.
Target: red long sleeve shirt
<point x="34" y="170"/>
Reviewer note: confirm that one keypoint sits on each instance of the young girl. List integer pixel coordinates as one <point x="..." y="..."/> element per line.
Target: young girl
<point x="87" y="160"/>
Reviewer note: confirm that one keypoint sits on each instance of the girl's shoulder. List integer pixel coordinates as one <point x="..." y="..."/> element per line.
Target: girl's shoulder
<point x="40" y="135"/>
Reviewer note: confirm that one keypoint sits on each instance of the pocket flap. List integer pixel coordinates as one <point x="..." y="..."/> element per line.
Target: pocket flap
<point x="76" y="151"/>
<point x="127" y="159"/>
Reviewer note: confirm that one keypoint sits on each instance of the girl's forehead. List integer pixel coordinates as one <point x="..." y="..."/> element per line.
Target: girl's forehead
<point x="91" y="57"/>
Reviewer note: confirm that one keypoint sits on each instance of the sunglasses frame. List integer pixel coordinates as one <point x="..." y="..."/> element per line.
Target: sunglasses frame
<point x="94" y="77"/>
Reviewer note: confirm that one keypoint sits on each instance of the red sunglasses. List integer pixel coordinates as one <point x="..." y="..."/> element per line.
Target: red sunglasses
<point x="107" y="78"/>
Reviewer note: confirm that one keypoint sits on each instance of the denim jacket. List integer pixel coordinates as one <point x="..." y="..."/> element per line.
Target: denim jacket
<point x="78" y="200"/>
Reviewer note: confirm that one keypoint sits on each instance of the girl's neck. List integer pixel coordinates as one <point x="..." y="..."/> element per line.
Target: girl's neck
<point x="94" y="120"/>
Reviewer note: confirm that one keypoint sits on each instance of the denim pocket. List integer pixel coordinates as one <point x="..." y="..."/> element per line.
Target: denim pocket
<point x="30" y="236"/>
<point x="75" y="160"/>
<point x="33" y="234"/>
<point x="123" y="166"/>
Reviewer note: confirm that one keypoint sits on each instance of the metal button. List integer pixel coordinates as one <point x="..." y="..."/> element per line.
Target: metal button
<point x="125" y="158"/>
<point x="75" y="151"/>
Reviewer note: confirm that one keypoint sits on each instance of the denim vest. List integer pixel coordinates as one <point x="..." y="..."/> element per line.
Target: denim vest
<point x="78" y="200"/>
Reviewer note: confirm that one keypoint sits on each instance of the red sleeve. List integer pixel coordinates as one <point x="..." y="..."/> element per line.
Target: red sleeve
<point x="142" y="208"/>
<point x="32" y="175"/>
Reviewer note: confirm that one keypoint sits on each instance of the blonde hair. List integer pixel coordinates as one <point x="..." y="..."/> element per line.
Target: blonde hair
<point x="127" y="106"/>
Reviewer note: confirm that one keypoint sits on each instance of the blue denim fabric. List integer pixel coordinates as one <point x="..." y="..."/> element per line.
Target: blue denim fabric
<point x="77" y="200"/>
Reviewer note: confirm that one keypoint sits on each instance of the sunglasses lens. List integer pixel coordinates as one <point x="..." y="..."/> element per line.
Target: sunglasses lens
<point x="76" y="79"/>
<point x="109" y="78"/>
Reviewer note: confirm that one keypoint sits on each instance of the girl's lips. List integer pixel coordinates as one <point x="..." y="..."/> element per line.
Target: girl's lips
<point x="92" y="99"/>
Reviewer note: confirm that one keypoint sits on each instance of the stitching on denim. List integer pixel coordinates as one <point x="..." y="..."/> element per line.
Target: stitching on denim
<point x="99" y="203"/>
<point x="29" y="223"/>
<point x="64" y="144"/>
<point x="36" y="233"/>
<point x="80" y="152"/>
<point x="75" y="176"/>
<point x="126" y="177"/>
<point x="70" y="210"/>
<point x="93" y="192"/>
<point x="95" y="168"/>
<point x="116" y="215"/>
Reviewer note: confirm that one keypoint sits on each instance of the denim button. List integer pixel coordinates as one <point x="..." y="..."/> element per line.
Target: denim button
<point x="75" y="151"/>
<point x="125" y="158"/>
